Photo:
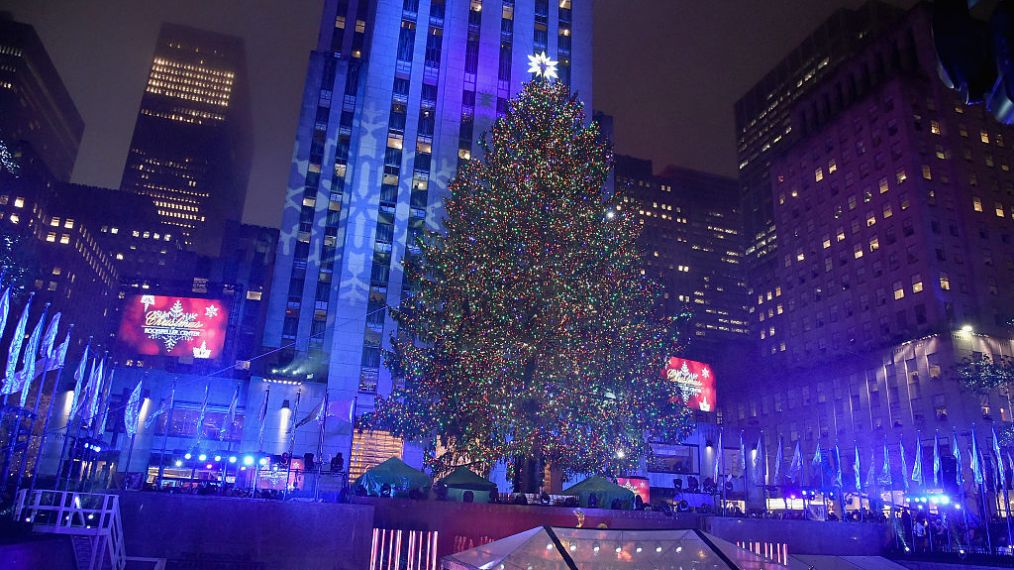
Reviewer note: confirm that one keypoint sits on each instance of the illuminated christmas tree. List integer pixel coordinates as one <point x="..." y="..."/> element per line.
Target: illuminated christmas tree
<point x="529" y="330"/>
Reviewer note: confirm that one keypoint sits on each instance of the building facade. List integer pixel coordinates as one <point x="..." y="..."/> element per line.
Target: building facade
<point x="190" y="151"/>
<point x="894" y="213"/>
<point x="398" y="93"/>
<point x="34" y="103"/>
<point x="70" y="267"/>
<point x="693" y="244"/>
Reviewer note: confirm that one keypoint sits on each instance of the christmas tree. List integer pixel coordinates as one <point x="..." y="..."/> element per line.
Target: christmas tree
<point x="529" y="330"/>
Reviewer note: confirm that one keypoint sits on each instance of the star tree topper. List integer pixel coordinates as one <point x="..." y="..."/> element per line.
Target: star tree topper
<point x="542" y="66"/>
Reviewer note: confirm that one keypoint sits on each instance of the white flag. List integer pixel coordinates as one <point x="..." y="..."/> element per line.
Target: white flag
<point x="132" y="413"/>
<point x="5" y="308"/>
<point x="230" y="416"/>
<point x="79" y="384"/>
<point x="27" y="372"/>
<point x="49" y="340"/>
<point x="14" y="351"/>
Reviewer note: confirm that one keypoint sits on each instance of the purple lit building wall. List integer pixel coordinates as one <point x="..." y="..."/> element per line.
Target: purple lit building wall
<point x="893" y="208"/>
<point x="398" y="94"/>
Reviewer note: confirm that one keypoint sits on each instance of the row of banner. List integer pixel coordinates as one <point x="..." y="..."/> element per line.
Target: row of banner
<point x="877" y="476"/>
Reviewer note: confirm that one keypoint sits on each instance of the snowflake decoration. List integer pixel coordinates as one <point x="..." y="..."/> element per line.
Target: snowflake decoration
<point x="542" y="66"/>
<point x="211" y="311"/>
<point x="172" y="335"/>
<point x="706" y="373"/>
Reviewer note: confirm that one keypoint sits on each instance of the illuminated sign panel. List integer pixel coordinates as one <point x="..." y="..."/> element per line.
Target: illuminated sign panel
<point x="695" y="380"/>
<point x="157" y="325"/>
<point x="637" y="485"/>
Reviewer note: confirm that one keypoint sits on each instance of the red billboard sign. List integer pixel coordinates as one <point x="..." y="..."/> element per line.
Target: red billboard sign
<point x="638" y="485"/>
<point x="695" y="380"/>
<point x="157" y="325"/>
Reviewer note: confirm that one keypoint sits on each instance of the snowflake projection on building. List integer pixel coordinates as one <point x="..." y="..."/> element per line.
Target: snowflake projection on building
<point x="542" y="66"/>
<point x="211" y="311"/>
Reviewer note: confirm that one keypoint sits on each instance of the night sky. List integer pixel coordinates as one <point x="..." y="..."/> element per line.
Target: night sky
<point x="669" y="71"/>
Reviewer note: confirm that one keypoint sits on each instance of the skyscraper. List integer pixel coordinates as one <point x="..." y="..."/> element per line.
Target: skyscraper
<point x="190" y="150"/>
<point x="34" y="104"/>
<point x="398" y="93"/>
<point x="895" y="214"/>
<point x="693" y="244"/>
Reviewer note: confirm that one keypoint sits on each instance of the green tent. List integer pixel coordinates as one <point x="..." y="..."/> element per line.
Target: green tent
<point x="605" y="492"/>
<point x="463" y="479"/>
<point x="395" y="473"/>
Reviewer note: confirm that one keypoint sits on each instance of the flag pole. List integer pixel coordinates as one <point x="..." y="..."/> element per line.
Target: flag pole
<point x="320" y="447"/>
<point x="292" y="444"/>
<point x="165" y="436"/>
<point x="45" y="424"/>
<point x="23" y="462"/>
<point x="12" y="443"/>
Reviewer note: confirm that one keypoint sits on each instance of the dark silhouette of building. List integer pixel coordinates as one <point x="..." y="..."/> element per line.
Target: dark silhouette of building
<point x="190" y="150"/>
<point x="34" y="104"/>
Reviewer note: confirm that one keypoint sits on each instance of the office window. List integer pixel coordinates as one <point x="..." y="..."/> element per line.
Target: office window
<point x="977" y="204"/>
<point x="916" y="283"/>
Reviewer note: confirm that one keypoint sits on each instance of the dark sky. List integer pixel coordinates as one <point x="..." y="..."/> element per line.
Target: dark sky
<point x="668" y="70"/>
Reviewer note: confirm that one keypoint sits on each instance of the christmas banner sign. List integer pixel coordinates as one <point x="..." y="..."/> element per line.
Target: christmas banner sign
<point x="157" y="325"/>
<point x="696" y="381"/>
<point x="637" y="485"/>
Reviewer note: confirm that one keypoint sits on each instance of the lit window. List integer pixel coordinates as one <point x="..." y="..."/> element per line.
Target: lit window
<point x="977" y="204"/>
<point x="15" y="218"/>
<point x="119" y="257"/>
<point x="935" y="127"/>
<point x="254" y="295"/>
<point x="984" y="137"/>
<point x="998" y="207"/>
<point x="901" y="176"/>
<point x="371" y="448"/>
<point x="832" y="167"/>
<point x="51" y="237"/>
<point x="945" y="282"/>
<point x="57" y="271"/>
<point x="899" y="291"/>
<point x="19" y="202"/>
<point x="887" y="211"/>
<point x="827" y="242"/>
<point x="916" y="283"/>
<point x="871" y="219"/>
<point x="800" y="256"/>
<point x="114" y="230"/>
<point x="883" y="185"/>
<point x="55" y="222"/>
<point x="927" y="173"/>
<point x="874" y="243"/>
<point x="819" y="174"/>
<point x="841" y="234"/>
<point x="65" y="239"/>
<point x="857" y="252"/>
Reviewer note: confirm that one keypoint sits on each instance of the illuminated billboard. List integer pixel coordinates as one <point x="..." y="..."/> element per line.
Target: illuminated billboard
<point x="638" y="486"/>
<point x="157" y="325"/>
<point x="695" y="380"/>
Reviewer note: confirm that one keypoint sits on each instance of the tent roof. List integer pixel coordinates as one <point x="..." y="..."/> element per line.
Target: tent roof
<point x="597" y="485"/>
<point x="465" y="478"/>
<point x="552" y="548"/>
<point x="395" y="472"/>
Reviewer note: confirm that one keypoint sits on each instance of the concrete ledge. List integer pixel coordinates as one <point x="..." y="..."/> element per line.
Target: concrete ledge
<point x="213" y="532"/>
